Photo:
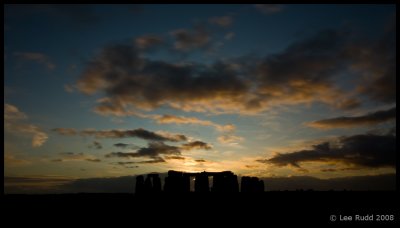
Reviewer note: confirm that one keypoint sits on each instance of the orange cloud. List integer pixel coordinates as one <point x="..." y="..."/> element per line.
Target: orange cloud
<point x="13" y="118"/>
<point x="167" y="119"/>
<point x="230" y="139"/>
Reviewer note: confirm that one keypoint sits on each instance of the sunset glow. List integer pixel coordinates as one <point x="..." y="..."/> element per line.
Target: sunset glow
<point x="106" y="91"/>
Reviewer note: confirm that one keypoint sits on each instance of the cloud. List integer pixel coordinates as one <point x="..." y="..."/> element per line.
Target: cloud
<point x="138" y="133"/>
<point x="224" y="21"/>
<point x="365" y="151"/>
<point x="229" y="139"/>
<point x="131" y="82"/>
<point x="36" y="57"/>
<point x="196" y="145"/>
<point x="314" y="62"/>
<point x="148" y="42"/>
<point x="167" y="119"/>
<point x="229" y="35"/>
<point x="175" y="157"/>
<point x="126" y="145"/>
<point x="158" y="151"/>
<point x="200" y="160"/>
<point x="146" y="84"/>
<point x="269" y="8"/>
<point x="120" y="155"/>
<point x="11" y="160"/>
<point x="96" y="145"/>
<point x="187" y="40"/>
<point x="125" y="163"/>
<point x="356" y="121"/>
<point x="107" y="108"/>
<point x="66" y="131"/>
<point x="347" y="104"/>
<point x="71" y="156"/>
<point x="153" y="150"/>
<point x="69" y="88"/>
<point x="152" y="161"/>
<point x="11" y="112"/>
<point x="375" y="61"/>
<point x="13" y="118"/>
<point x="93" y="160"/>
<point x="38" y="138"/>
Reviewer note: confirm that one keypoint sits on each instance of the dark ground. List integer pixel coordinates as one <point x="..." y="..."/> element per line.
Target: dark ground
<point x="228" y="209"/>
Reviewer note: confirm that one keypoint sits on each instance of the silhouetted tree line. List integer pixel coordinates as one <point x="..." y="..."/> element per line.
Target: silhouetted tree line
<point x="179" y="182"/>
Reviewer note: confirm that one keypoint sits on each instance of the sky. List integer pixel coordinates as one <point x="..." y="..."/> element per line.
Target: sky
<point x="267" y="90"/>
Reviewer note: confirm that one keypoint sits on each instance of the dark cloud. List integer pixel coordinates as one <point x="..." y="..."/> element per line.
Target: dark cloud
<point x="125" y="163"/>
<point x="341" y="169"/>
<point x="158" y="151"/>
<point x="154" y="160"/>
<point x="138" y="133"/>
<point x="313" y="63"/>
<point x="156" y="148"/>
<point x="368" y="119"/>
<point x="93" y="160"/>
<point x="175" y="157"/>
<point x="200" y="160"/>
<point x="367" y="151"/>
<point x="196" y="145"/>
<point x="122" y="145"/>
<point x="375" y="60"/>
<point x="148" y="42"/>
<point x="96" y="145"/>
<point x="269" y="8"/>
<point x="120" y="155"/>
<point x="130" y="81"/>
<point x="187" y="40"/>
<point x="70" y="153"/>
<point x="126" y="145"/>
<point x="153" y="150"/>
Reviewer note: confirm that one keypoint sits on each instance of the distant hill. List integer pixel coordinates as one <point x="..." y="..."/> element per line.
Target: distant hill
<point x="355" y="183"/>
<point x="126" y="184"/>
